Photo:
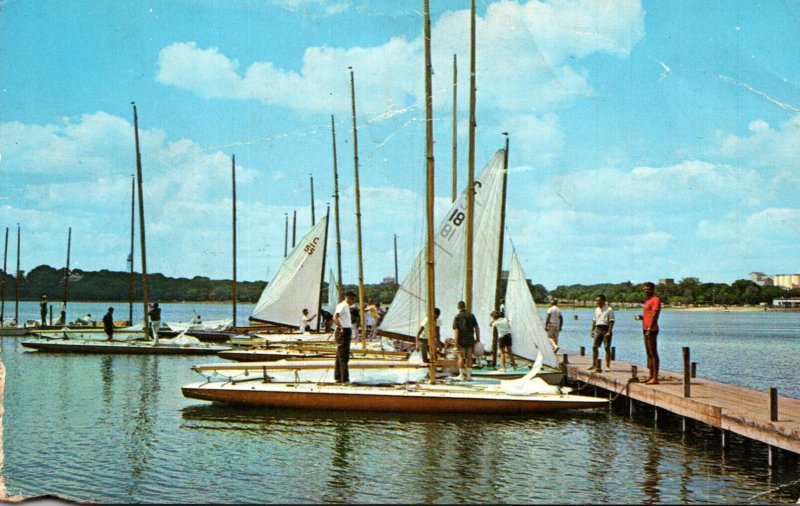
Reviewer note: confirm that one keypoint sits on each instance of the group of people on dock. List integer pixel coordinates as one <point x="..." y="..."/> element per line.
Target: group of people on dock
<point x="603" y="326"/>
<point x="467" y="338"/>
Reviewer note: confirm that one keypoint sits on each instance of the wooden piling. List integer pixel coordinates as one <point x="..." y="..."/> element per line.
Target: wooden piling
<point x="694" y="370"/>
<point x="687" y="389"/>
<point x="773" y="404"/>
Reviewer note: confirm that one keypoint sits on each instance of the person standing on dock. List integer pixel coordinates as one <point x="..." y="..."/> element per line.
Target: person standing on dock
<point x="602" y="327"/>
<point x="43" y="309"/>
<point x="652" y="310"/>
<point x="554" y="323"/>
<point x="155" y="320"/>
<point x="467" y="333"/>
<point x="108" y="324"/>
<point x="344" y="334"/>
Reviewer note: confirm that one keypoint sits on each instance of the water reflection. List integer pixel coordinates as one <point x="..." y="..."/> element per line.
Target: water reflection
<point x="141" y="426"/>
<point x="107" y="379"/>
<point x="340" y="484"/>
<point x="652" y="478"/>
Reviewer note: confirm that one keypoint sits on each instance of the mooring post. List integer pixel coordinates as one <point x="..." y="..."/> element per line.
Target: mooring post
<point x="566" y="359"/>
<point x="613" y="353"/>
<point x="772" y="455"/>
<point x="694" y="369"/>
<point x="631" y="407"/>
<point x="725" y="438"/>
<point x="773" y="404"/>
<point x="599" y="365"/>
<point x="583" y="351"/>
<point x="51" y="317"/>
<point x="686" y="373"/>
<point x="634" y="372"/>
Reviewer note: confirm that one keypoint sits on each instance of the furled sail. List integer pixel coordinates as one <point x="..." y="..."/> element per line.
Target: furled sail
<point x="333" y="293"/>
<point x="527" y="328"/>
<point x="296" y="284"/>
<point x="409" y="306"/>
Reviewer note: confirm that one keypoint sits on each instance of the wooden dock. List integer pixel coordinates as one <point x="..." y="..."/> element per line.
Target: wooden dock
<point x="759" y="416"/>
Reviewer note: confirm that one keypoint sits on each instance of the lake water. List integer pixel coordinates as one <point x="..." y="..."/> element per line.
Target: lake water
<point x="116" y="429"/>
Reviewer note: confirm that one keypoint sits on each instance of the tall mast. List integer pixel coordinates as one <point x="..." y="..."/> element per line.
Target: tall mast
<point x="233" y="224"/>
<point x="313" y="217"/>
<point x="322" y="272"/>
<point x="141" y="222"/>
<point x="16" y="281"/>
<point x="66" y="274"/>
<point x="471" y="161"/>
<point x="336" y="212"/>
<point x="362" y="319"/>
<point x="286" y="236"/>
<point x="130" y="256"/>
<point x="455" y="128"/>
<point x="5" y="276"/>
<point x="294" y="227"/>
<point x="396" y="281"/>
<point x="429" y="252"/>
<point x="499" y="282"/>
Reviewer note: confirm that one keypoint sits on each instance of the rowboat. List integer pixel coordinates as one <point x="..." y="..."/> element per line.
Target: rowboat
<point x="134" y="347"/>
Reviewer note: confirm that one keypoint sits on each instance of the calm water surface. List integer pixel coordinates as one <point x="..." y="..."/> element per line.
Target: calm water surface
<point x="117" y="429"/>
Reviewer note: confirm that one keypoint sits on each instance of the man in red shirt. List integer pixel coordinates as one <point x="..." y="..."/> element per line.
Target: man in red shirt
<point x="652" y="310"/>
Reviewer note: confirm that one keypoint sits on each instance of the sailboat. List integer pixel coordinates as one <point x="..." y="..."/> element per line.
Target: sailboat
<point x="136" y="343"/>
<point x="524" y="395"/>
<point x="408" y="308"/>
<point x="527" y="329"/>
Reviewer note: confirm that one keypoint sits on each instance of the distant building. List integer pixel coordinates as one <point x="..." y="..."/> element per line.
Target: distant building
<point x="786" y="303"/>
<point x="666" y="281"/>
<point x="389" y="280"/>
<point x="786" y="281"/>
<point x="761" y="279"/>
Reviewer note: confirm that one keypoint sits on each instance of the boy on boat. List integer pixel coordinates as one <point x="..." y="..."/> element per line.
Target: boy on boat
<point x="503" y="339"/>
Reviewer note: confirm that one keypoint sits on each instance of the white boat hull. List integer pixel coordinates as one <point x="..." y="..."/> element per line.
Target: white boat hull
<point x="437" y="398"/>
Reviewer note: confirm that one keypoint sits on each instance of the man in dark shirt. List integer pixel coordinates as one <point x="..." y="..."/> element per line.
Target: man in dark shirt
<point x="43" y="310"/>
<point x="108" y="324"/>
<point x="467" y="333"/>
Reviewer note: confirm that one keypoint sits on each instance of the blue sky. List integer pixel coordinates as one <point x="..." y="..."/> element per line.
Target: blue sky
<point x="648" y="140"/>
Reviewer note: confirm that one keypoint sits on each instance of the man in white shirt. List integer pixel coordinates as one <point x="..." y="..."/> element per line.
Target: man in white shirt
<point x="504" y="341"/>
<point x="344" y="334"/>
<point x="602" y="326"/>
<point x="554" y="323"/>
<point x="422" y="344"/>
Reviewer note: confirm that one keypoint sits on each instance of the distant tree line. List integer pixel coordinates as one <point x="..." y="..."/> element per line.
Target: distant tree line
<point x="112" y="286"/>
<point x="687" y="291"/>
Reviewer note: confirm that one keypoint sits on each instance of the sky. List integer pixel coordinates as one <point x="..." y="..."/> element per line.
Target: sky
<point x="647" y="140"/>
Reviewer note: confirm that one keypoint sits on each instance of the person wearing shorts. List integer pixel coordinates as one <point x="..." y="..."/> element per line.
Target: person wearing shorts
<point x="602" y="330"/>
<point x="467" y="333"/>
<point x="652" y="310"/>
<point x="504" y="340"/>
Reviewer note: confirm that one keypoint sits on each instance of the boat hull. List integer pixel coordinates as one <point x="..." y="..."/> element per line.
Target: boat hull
<point x="113" y="347"/>
<point x="414" y="399"/>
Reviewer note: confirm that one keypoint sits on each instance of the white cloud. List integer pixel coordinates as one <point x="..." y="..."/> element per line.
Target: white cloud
<point x="765" y="146"/>
<point x="526" y="61"/>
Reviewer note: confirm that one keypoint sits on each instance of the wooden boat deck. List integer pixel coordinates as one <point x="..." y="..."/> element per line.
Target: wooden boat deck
<point x="727" y="407"/>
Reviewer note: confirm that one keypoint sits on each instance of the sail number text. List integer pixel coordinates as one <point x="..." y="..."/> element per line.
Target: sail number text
<point x="310" y="247"/>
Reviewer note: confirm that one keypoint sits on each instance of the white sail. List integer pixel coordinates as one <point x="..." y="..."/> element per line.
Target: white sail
<point x="296" y="285"/>
<point x="333" y="293"/>
<point x="527" y="329"/>
<point x="409" y="306"/>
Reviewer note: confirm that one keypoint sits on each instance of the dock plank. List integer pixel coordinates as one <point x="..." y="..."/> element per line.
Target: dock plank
<point x="728" y="407"/>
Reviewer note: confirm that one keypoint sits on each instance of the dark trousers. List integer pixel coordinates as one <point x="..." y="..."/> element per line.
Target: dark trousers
<point x="342" y="373"/>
